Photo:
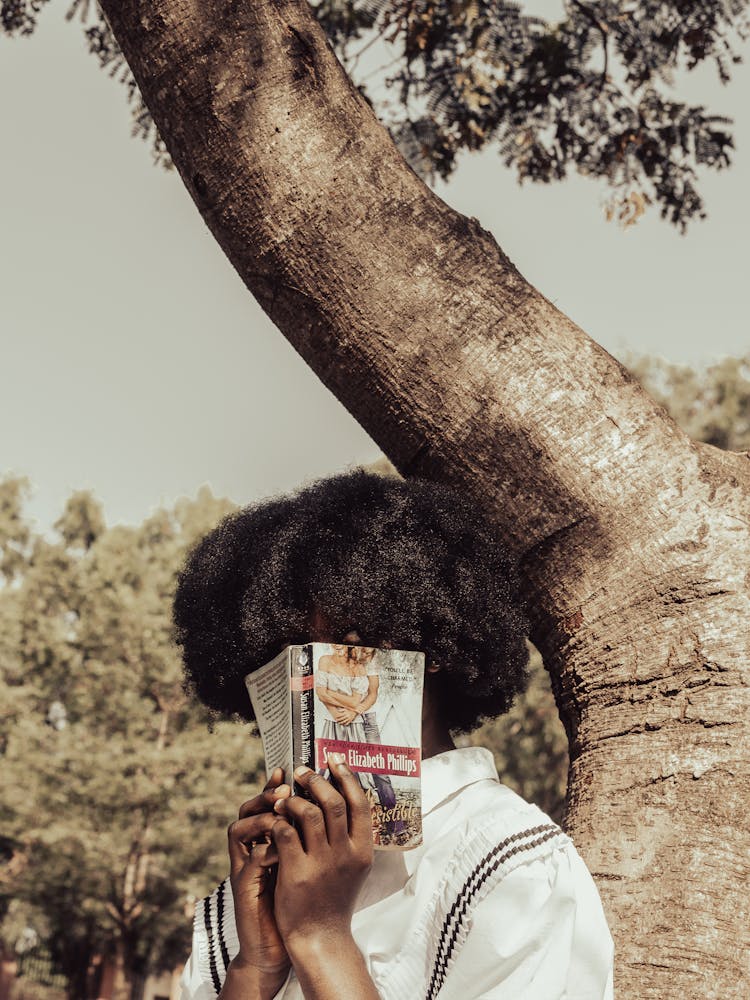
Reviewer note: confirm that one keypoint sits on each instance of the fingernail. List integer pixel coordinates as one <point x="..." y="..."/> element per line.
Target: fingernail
<point x="300" y="771"/>
<point x="279" y="805"/>
<point x="281" y="790"/>
<point x="337" y="758"/>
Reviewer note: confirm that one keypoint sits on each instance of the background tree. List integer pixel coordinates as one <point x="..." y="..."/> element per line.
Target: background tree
<point x="712" y="405"/>
<point x="116" y="794"/>
<point x="589" y="91"/>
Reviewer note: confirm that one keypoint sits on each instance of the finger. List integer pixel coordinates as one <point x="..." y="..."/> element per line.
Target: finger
<point x="309" y="820"/>
<point x="251" y="828"/>
<point x="330" y="801"/>
<point x="360" y="815"/>
<point x="244" y="835"/>
<point x="266" y="854"/>
<point x="287" y="842"/>
<point x="264" y="802"/>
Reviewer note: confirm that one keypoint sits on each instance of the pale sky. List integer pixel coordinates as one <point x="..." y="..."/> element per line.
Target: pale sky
<point x="135" y="363"/>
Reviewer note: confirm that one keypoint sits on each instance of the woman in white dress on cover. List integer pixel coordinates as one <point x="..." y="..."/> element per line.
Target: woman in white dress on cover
<point x="343" y="687"/>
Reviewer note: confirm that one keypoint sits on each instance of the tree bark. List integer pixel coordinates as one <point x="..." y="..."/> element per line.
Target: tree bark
<point x="633" y="539"/>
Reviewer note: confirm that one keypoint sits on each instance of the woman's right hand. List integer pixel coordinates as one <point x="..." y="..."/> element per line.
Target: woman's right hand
<point x="345" y="716"/>
<point x="262" y="956"/>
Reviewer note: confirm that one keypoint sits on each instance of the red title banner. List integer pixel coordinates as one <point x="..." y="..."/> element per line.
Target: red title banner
<point x="302" y="683"/>
<point x="375" y="758"/>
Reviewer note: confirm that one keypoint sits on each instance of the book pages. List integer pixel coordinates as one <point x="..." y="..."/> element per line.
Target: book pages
<point x="269" y="690"/>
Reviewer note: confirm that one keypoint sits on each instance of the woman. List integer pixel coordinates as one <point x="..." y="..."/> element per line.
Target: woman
<point x="495" y="903"/>
<point x="343" y="689"/>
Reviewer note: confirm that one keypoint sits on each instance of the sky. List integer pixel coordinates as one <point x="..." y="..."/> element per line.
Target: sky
<point x="136" y="364"/>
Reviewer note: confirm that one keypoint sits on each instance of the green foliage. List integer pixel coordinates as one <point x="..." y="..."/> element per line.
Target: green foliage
<point x="15" y="535"/>
<point x="711" y="405"/>
<point x="19" y="17"/>
<point x="590" y="92"/>
<point x="529" y="744"/>
<point x="116" y="792"/>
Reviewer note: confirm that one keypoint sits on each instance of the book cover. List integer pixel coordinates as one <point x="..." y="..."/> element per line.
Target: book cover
<point x="363" y="702"/>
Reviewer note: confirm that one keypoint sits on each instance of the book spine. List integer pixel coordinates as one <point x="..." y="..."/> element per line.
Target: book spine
<point x="303" y="720"/>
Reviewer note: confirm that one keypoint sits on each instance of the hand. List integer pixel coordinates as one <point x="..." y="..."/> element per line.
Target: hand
<point x="324" y="861"/>
<point x="344" y="716"/>
<point x="252" y="857"/>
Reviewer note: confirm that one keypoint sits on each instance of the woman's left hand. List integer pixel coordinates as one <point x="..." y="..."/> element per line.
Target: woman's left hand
<point x="324" y="861"/>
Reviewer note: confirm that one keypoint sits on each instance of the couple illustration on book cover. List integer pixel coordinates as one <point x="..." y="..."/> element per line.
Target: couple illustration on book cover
<point x="346" y="685"/>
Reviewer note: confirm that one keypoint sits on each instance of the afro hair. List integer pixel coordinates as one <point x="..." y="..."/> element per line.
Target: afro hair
<point x="411" y="562"/>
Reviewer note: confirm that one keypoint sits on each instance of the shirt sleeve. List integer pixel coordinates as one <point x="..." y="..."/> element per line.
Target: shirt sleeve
<point x="192" y="987"/>
<point x="214" y="945"/>
<point x="541" y="934"/>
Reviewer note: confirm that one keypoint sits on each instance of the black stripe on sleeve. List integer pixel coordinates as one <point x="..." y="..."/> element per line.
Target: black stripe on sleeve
<point x="482" y="871"/>
<point x="211" y="957"/>
<point x="220" y="927"/>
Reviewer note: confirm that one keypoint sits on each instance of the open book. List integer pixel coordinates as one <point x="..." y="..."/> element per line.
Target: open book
<point x="365" y="703"/>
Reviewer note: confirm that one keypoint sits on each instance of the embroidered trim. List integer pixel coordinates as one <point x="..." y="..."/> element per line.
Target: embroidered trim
<point x="220" y="928"/>
<point x="456" y="915"/>
<point x="209" y="933"/>
<point x="215" y="936"/>
<point x="469" y="846"/>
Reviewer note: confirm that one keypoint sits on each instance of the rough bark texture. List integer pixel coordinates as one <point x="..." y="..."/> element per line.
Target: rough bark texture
<point x="635" y="541"/>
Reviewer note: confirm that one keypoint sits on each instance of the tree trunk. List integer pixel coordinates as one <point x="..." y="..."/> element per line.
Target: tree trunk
<point x="135" y="880"/>
<point x="122" y="982"/>
<point x="634" y="540"/>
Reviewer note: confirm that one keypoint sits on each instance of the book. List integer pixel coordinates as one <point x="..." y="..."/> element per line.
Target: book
<point x="366" y="703"/>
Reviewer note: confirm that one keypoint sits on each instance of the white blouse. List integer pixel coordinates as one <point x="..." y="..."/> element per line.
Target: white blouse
<point x="496" y="904"/>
